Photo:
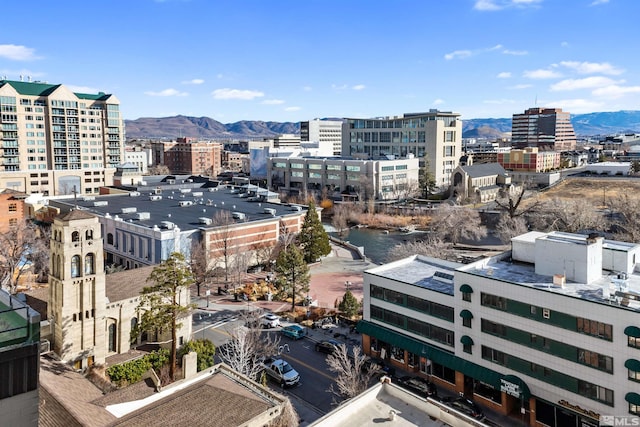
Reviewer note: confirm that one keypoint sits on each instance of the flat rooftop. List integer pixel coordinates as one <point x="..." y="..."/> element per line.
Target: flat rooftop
<point x="429" y="273"/>
<point x="182" y="204"/>
<point x="521" y="273"/>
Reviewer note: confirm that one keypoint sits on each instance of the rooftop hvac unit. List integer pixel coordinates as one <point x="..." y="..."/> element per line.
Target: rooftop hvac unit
<point x="134" y="194"/>
<point x="88" y="198"/>
<point x="129" y="210"/>
<point x="101" y="203"/>
<point x="205" y="220"/>
<point x="197" y="194"/>
<point x="270" y="211"/>
<point x="296" y="208"/>
<point x="167" y="225"/>
<point x="155" y="198"/>
<point x="143" y="215"/>
<point x="212" y="189"/>
<point x="238" y="215"/>
<point x="185" y="190"/>
<point x="184" y="203"/>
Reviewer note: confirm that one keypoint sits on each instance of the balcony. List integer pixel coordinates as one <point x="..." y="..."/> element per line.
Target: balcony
<point x="18" y="322"/>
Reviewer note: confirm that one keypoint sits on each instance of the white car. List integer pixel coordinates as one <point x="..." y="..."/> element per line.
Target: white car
<point x="270" y="320"/>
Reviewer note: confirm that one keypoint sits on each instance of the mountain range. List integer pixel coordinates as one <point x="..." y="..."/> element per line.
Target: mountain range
<point x="591" y="124"/>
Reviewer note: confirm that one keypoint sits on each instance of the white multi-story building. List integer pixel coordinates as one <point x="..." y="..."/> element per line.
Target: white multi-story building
<point x="138" y="157"/>
<point x="55" y="141"/>
<point x="548" y="332"/>
<point x="352" y="178"/>
<point x="324" y="132"/>
<point x="434" y="137"/>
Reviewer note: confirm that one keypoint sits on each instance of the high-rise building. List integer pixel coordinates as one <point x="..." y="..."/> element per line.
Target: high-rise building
<point x="55" y="141"/>
<point x="324" y="132"/>
<point x="546" y="128"/>
<point x="435" y="138"/>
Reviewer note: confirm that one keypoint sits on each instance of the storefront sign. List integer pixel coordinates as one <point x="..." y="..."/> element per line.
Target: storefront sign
<point x="579" y="409"/>
<point x="510" y="388"/>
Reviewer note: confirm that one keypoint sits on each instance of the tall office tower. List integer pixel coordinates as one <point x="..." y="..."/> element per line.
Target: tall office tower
<point x="55" y="141"/>
<point x="324" y="132"/>
<point x="435" y="138"/>
<point x="546" y="128"/>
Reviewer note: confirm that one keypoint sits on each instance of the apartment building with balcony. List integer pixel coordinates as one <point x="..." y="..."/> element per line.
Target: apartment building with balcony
<point x="548" y="331"/>
<point x="56" y="141"/>
<point x="435" y="138"/>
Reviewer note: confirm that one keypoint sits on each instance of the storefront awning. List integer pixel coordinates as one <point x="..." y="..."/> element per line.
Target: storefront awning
<point x="524" y="388"/>
<point x="466" y="289"/>
<point x="632" y="331"/>
<point x="466" y="314"/>
<point x="633" y="398"/>
<point x="632" y="364"/>
<point x="466" y="340"/>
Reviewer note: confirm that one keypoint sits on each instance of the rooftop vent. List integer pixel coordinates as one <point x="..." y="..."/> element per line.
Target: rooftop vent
<point x="155" y="198"/>
<point x="185" y="190"/>
<point x="270" y="211"/>
<point x="238" y="215"/>
<point x="205" y="220"/>
<point x="184" y="203"/>
<point x="197" y="194"/>
<point x="101" y="203"/>
<point x="167" y="225"/>
<point x="134" y="194"/>
<point x="129" y="210"/>
<point x="143" y="215"/>
<point x="295" y="208"/>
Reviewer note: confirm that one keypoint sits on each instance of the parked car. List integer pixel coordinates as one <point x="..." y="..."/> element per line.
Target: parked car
<point x="294" y="331"/>
<point x="327" y="346"/>
<point x="418" y="385"/>
<point x="279" y="370"/>
<point x="464" y="405"/>
<point x="270" y="320"/>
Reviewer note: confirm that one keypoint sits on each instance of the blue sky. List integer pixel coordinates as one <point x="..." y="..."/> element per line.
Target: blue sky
<point x="293" y="60"/>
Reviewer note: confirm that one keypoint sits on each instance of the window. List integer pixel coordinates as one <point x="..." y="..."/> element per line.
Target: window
<point x="595" y="392"/>
<point x="75" y="266"/>
<point x="466" y="296"/>
<point x="112" y="337"/>
<point x="13" y="207"/>
<point x="89" y="264"/>
<point x="466" y="322"/>
<point x="633" y="342"/>
<point x="466" y="348"/>
<point x="75" y="236"/>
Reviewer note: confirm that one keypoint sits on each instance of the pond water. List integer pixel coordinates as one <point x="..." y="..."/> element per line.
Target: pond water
<point x="375" y="242"/>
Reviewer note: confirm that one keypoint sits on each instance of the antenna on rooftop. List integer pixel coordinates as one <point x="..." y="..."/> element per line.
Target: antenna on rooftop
<point x="535" y="102"/>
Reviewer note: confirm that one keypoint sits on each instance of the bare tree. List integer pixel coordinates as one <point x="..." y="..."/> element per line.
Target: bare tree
<point x="511" y="203"/>
<point x="16" y="245"/>
<point x="159" y="170"/>
<point x="432" y="246"/>
<point x="39" y="254"/>
<point x="222" y="240"/>
<point x="625" y="211"/>
<point x="340" y="219"/>
<point x="247" y="347"/>
<point x="567" y="215"/>
<point x="510" y="226"/>
<point x="199" y="263"/>
<point x="288" y="417"/>
<point x="353" y="375"/>
<point x="454" y="223"/>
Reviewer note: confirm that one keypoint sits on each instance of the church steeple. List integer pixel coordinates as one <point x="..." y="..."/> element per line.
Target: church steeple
<point x="77" y="289"/>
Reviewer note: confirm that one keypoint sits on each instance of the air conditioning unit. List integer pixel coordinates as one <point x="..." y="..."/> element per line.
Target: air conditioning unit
<point x="296" y="208"/>
<point x="134" y="194"/>
<point x="45" y="346"/>
<point x="184" y="203"/>
<point x="167" y="225"/>
<point x="546" y="313"/>
<point x="205" y="220"/>
<point x="155" y="198"/>
<point x="238" y="215"/>
<point x="270" y="211"/>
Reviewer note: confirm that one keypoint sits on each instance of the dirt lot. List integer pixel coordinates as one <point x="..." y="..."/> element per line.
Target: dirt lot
<point x="597" y="190"/>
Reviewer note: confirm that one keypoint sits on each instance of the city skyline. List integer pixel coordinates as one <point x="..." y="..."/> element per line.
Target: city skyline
<point x="291" y="61"/>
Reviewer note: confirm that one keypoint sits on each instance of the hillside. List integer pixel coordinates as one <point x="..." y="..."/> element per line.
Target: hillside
<point x="604" y="123"/>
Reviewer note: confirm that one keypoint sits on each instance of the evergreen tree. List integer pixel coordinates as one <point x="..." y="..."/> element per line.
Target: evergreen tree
<point x="313" y="238"/>
<point x="160" y="303"/>
<point x="292" y="272"/>
<point x="349" y="305"/>
<point x="426" y="180"/>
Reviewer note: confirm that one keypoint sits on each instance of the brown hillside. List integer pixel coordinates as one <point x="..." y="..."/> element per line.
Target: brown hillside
<point x="597" y="190"/>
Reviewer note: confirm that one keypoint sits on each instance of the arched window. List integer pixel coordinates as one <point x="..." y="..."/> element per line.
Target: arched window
<point x="75" y="236"/>
<point x="110" y="238"/>
<point x="112" y="337"/>
<point x="75" y="266"/>
<point x="88" y="235"/>
<point x="89" y="264"/>
<point x="134" y="324"/>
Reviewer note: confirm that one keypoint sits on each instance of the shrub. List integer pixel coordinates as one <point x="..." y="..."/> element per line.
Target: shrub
<point x="205" y="350"/>
<point x="132" y="371"/>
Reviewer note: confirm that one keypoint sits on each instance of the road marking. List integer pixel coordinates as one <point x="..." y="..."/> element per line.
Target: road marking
<point x="300" y="362"/>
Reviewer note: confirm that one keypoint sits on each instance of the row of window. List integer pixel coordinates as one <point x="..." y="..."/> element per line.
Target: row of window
<point x="547" y="345"/>
<point x="418" y="327"/>
<point x="410" y="301"/>
<point x="543" y="373"/>
<point x="554" y="318"/>
<point x="418" y="122"/>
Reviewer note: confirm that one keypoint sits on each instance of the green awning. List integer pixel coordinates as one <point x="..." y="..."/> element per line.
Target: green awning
<point x="524" y="388"/>
<point x="632" y="331"/>
<point x="633" y="398"/>
<point x="466" y="340"/>
<point x="466" y="314"/>
<point x="466" y="289"/>
<point x="633" y="365"/>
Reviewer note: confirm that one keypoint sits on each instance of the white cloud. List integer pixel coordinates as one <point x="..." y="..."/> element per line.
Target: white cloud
<point x="586" y="83"/>
<point x="193" y="82"/>
<point x="493" y="5"/>
<point x="437" y="101"/>
<point x="592" y="67"/>
<point x="515" y="52"/>
<point x="575" y="106"/>
<point x="542" y="74"/>
<point x="504" y="75"/>
<point x="458" y="54"/>
<point x="227" y="93"/>
<point x="598" y="2"/>
<point x="358" y="87"/>
<point x="83" y="89"/>
<point x="339" y="87"/>
<point x="615" y="91"/>
<point x="293" y="109"/>
<point x="307" y="88"/>
<point x="166" y="92"/>
<point x="486" y="5"/>
<point x="564" y="44"/>
<point x="273" y="101"/>
<point x="17" y="53"/>
<point x="521" y="86"/>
